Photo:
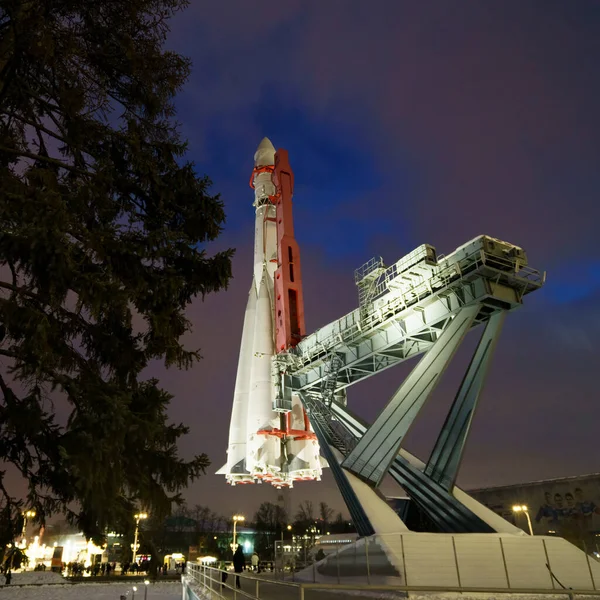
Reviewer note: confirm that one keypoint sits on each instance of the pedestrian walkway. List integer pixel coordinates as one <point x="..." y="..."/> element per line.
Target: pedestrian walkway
<point x="267" y="587"/>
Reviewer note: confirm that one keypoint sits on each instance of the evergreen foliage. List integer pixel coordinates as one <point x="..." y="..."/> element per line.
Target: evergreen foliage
<point x="103" y="225"/>
<point x="14" y="558"/>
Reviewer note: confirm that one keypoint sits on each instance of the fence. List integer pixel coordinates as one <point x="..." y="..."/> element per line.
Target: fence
<point x="206" y="583"/>
<point x="460" y="560"/>
<point x="489" y="560"/>
<point x="292" y="556"/>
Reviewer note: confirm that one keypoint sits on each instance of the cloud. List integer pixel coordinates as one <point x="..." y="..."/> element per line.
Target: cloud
<point x="408" y="125"/>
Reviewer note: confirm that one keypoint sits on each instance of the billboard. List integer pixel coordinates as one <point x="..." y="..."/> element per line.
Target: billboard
<point x="568" y="507"/>
<point x="57" y="554"/>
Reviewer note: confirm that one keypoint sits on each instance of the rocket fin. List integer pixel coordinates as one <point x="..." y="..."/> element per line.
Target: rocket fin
<point x="236" y="451"/>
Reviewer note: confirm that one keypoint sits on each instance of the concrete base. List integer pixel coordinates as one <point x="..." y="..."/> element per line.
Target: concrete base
<point x="380" y="514"/>
<point x="500" y="561"/>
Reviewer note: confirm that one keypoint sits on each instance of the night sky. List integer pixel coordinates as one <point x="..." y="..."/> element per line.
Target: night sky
<point x="408" y="123"/>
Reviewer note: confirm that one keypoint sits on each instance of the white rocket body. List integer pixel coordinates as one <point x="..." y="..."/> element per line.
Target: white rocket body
<point x="254" y="454"/>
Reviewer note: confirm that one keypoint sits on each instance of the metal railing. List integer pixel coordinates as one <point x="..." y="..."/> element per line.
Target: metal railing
<point x="206" y="583"/>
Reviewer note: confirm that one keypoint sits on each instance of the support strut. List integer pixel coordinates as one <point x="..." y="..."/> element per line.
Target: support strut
<point x="371" y="458"/>
<point x="447" y="453"/>
<point x="439" y="504"/>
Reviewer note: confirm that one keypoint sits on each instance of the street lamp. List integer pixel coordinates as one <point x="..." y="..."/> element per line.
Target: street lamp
<point x="518" y="508"/>
<point x="134" y="591"/>
<point x="236" y="519"/>
<point x="146" y="583"/>
<point x="138" y="518"/>
<point x="27" y="515"/>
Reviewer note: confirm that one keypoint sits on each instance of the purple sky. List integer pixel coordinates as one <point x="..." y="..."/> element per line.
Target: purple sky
<point x="406" y="123"/>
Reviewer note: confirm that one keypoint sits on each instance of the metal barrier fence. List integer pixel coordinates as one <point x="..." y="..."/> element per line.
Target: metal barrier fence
<point x="292" y="556"/>
<point x="206" y="583"/>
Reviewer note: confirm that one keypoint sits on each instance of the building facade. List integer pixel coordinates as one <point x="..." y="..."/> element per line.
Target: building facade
<point x="568" y="507"/>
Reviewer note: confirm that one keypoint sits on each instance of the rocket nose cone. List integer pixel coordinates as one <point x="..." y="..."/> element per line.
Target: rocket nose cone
<point x="265" y="153"/>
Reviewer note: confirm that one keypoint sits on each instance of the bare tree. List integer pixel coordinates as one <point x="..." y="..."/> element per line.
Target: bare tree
<point x="325" y="514"/>
<point x="208" y="527"/>
<point x="305" y="517"/>
<point x="269" y="520"/>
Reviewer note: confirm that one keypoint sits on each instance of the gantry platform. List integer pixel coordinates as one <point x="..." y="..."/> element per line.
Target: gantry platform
<point x="405" y="307"/>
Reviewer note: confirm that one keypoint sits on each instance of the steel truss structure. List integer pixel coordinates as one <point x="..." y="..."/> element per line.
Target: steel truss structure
<point x="423" y="304"/>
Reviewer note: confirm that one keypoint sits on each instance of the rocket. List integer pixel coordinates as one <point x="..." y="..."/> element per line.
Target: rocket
<point x="268" y="442"/>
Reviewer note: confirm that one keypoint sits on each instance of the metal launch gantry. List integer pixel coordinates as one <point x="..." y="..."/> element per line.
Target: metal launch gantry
<point x="290" y="390"/>
<point x="422" y="304"/>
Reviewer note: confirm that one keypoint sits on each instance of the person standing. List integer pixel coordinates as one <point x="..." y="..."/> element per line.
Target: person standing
<point x="239" y="562"/>
<point x="255" y="560"/>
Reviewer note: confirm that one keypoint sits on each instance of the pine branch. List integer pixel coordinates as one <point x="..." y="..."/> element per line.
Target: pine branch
<point x="13" y="272"/>
<point x="44" y="159"/>
<point x="35" y="124"/>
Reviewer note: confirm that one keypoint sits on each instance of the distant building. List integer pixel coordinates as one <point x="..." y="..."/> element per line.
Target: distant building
<point x="568" y="507"/>
<point x="332" y="542"/>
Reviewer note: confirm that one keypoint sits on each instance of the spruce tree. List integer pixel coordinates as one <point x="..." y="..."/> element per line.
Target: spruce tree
<point x="103" y="233"/>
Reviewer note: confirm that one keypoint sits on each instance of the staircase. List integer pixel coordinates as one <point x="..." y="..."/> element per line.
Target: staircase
<point x="337" y="435"/>
<point x="329" y="382"/>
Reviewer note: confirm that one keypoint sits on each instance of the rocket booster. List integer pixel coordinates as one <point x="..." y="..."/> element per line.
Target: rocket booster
<point x="265" y="444"/>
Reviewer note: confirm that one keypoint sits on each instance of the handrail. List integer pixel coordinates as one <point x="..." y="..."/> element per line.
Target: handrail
<point x="198" y="573"/>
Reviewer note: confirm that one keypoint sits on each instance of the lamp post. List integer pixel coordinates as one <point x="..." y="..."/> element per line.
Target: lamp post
<point x="138" y="518"/>
<point x="289" y="528"/>
<point x="134" y="591"/>
<point x="518" y="508"/>
<point x="236" y="519"/>
<point x="146" y="583"/>
<point x="29" y="514"/>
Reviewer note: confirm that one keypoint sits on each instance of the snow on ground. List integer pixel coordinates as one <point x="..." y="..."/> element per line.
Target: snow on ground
<point x="498" y="596"/>
<point x="81" y="591"/>
<point x="384" y="595"/>
<point x="34" y="577"/>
